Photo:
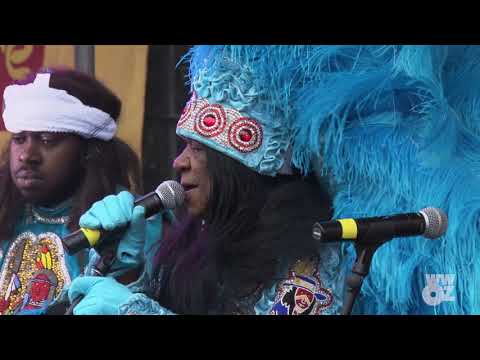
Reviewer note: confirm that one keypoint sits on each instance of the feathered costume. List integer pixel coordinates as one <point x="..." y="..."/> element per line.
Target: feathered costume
<point x="395" y="129"/>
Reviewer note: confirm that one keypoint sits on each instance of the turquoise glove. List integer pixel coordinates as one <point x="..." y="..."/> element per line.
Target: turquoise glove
<point x="116" y="211"/>
<point x="103" y="295"/>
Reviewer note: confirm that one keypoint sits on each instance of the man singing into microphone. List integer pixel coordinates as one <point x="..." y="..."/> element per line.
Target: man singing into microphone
<point x="63" y="156"/>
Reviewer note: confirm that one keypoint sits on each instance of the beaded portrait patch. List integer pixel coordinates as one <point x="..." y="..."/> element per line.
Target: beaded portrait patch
<point x="302" y="293"/>
<point x="33" y="273"/>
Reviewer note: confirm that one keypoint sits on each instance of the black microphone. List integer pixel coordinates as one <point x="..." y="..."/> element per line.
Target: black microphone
<point x="168" y="195"/>
<point x="429" y="222"/>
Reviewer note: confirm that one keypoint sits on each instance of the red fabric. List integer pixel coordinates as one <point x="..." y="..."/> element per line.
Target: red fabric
<point x="16" y="63"/>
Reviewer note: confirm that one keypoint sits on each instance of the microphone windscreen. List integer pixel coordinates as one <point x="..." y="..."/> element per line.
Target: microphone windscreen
<point x="171" y="193"/>
<point x="436" y="222"/>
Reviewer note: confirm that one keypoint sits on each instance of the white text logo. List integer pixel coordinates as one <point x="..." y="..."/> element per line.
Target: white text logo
<point x="439" y="288"/>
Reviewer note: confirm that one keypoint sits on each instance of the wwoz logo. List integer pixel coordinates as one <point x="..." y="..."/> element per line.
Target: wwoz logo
<point x="439" y="288"/>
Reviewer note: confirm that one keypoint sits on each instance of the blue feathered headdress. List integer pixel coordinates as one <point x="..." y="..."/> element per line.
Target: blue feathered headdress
<point x="243" y="99"/>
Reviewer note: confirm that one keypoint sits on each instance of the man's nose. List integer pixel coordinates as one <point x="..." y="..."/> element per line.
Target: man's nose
<point x="30" y="152"/>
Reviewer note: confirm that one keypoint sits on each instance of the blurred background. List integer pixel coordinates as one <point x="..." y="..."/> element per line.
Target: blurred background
<point x="145" y="77"/>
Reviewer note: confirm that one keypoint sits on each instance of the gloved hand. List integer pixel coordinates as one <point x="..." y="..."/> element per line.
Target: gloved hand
<point x="116" y="211"/>
<point x="103" y="295"/>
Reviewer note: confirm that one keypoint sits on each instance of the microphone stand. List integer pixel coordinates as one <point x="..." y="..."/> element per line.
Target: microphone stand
<point x="365" y="250"/>
<point x="101" y="268"/>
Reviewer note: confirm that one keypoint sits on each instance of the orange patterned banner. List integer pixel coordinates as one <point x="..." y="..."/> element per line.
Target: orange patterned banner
<point x="16" y="63"/>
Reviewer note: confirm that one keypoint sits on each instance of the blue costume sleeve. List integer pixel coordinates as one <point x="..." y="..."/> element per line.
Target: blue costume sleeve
<point x="105" y="296"/>
<point x="140" y="304"/>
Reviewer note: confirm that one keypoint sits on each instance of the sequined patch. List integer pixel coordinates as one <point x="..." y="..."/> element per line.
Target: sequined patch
<point x="33" y="273"/>
<point x="302" y="293"/>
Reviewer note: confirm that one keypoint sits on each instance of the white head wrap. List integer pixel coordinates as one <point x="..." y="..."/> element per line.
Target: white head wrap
<point x="37" y="107"/>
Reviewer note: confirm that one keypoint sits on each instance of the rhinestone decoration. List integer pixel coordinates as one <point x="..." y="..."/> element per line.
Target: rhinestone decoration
<point x="245" y="135"/>
<point x="34" y="217"/>
<point x="210" y="121"/>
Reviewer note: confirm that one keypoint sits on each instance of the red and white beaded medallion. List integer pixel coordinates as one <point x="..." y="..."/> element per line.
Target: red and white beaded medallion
<point x="245" y="135"/>
<point x="210" y="120"/>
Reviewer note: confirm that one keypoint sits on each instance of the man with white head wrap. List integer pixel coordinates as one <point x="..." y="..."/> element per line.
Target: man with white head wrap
<point x="62" y="157"/>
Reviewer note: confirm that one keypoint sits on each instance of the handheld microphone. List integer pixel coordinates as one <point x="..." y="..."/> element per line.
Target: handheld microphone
<point x="429" y="222"/>
<point x="168" y="195"/>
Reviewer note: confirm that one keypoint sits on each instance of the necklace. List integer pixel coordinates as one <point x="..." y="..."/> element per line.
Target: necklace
<point x="34" y="216"/>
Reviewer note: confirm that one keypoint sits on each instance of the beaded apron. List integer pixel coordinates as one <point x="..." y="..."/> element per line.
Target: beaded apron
<point x="33" y="274"/>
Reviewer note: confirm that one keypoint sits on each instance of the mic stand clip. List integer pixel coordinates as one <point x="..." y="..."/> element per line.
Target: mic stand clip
<point x="364" y="249"/>
<point x="101" y="268"/>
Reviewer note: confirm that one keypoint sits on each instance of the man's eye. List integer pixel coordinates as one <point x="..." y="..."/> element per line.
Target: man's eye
<point x="18" y="139"/>
<point x="48" y="140"/>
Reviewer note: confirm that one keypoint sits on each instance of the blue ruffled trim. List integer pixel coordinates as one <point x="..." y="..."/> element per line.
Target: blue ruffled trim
<point x="275" y="149"/>
<point x="228" y="85"/>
